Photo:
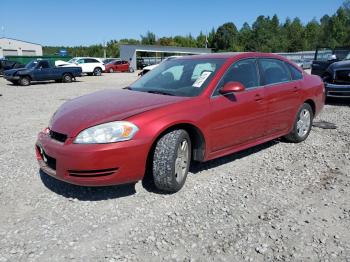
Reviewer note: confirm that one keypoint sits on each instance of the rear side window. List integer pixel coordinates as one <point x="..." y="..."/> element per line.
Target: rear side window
<point x="274" y="71"/>
<point x="89" y="60"/>
<point x="295" y="73"/>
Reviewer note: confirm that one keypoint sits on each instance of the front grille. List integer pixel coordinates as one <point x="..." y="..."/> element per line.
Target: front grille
<point x="342" y="76"/>
<point x="58" y="136"/>
<point x="92" y="173"/>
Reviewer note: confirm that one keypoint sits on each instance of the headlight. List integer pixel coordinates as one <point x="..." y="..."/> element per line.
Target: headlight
<point x="107" y="133"/>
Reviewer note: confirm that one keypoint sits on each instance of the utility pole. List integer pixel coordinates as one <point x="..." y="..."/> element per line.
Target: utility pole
<point x="104" y="49"/>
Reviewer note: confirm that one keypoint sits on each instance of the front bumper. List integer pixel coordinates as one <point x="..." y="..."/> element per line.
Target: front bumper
<point x="335" y="90"/>
<point x="92" y="165"/>
<point x="11" y="78"/>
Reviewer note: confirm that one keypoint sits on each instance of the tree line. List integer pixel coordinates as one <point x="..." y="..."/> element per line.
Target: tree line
<point x="266" y="34"/>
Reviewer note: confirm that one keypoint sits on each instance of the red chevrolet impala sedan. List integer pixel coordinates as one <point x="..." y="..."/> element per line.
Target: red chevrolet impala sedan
<point x="193" y="108"/>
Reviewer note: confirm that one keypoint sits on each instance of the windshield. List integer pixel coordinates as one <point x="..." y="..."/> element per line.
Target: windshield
<point x="72" y="61"/>
<point x="31" y="64"/>
<point x="179" y="77"/>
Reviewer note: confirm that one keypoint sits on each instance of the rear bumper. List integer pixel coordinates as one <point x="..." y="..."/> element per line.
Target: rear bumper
<point x="334" y="90"/>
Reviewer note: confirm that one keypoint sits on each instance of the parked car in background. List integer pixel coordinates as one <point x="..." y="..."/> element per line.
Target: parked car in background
<point x="118" y="66"/>
<point x="41" y="70"/>
<point x="7" y="64"/>
<point x="146" y="69"/>
<point x="89" y="65"/>
<point x="194" y="108"/>
<point x="333" y="65"/>
<point x="108" y="60"/>
<point x="303" y="63"/>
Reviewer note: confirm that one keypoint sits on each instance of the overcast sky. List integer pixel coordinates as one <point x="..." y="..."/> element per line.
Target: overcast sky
<point x="85" y="22"/>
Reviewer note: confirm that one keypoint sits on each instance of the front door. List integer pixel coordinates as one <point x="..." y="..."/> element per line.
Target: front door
<point x="238" y="118"/>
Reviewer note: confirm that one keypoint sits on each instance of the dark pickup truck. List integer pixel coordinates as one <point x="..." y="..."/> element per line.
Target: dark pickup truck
<point x="7" y="65"/>
<point x="333" y="66"/>
<point x="41" y="70"/>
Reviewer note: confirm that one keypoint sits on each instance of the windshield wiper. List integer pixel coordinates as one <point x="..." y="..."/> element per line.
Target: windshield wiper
<point x="159" y="92"/>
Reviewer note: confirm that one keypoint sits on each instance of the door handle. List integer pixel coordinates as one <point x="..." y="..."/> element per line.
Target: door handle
<point x="295" y="89"/>
<point x="258" y="97"/>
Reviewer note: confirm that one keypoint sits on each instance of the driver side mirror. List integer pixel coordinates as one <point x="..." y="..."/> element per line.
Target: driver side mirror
<point x="232" y="87"/>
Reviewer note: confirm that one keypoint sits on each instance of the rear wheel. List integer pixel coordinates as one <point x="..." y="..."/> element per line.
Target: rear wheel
<point x="171" y="160"/>
<point x="67" y="78"/>
<point x="131" y="70"/>
<point x="302" y="125"/>
<point x="111" y="70"/>
<point x="24" y="81"/>
<point x="97" y="71"/>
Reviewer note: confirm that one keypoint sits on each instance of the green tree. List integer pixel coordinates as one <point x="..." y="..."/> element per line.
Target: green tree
<point x="148" y="39"/>
<point x="226" y="37"/>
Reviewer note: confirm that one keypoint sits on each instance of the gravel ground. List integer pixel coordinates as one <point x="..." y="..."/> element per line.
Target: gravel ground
<point x="275" y="202"/>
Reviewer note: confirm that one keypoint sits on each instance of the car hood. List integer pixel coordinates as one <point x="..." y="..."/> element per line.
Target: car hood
<point x="105" y="106"/>
<point x="10" y="72"/>
<point x="340" y="65"/>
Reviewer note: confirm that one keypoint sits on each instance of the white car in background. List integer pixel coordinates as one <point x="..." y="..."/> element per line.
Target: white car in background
<point x="151" y="67"/>
<point x="89" y="65"/>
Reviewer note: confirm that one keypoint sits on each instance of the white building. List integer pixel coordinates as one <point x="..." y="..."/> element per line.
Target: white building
<point x="14" y="47"/>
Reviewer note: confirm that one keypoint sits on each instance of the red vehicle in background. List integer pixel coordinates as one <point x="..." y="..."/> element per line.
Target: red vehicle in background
<point x="118" y="66"/>
<point x="194" y="108"/>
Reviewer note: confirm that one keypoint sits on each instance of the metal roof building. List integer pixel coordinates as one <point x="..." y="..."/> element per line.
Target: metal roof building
<point x="14" y="47"/>
<point x="129" y="52"/>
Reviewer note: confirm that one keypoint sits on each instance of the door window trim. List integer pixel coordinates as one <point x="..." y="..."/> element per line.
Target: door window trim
<point x="213" y="95"/>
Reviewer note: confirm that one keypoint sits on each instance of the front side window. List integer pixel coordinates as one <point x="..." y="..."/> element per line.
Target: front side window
<point x="179" y="77"/>
<point x="274" y="71"/>
<point x="244" y="72"/>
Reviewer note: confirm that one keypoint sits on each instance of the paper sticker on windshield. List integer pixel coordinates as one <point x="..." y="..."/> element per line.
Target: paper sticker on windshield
<point x="200" y="80"/>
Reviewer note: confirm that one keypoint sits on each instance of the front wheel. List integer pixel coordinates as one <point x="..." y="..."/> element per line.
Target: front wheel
<point x="97" y="71"/>
<point x="131" y="70"/>
<point x="24" y="81"/>
<point x="111" y="70"/>
<point x="302" y="125"/>
<point x="171" y="160"/>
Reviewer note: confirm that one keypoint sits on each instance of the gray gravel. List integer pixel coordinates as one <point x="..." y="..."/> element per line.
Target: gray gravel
<point x="275" y="202"/>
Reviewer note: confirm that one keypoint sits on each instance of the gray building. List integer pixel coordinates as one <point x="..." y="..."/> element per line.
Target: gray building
<point x="129" y="52"/>
<point x="14" y="47"/>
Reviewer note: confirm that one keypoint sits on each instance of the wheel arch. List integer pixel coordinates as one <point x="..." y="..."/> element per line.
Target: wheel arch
<point x="312" y="104"/>
<point x="198" y="141"/>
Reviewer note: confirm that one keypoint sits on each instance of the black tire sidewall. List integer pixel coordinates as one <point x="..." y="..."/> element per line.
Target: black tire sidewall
<point x="65" y="80"/>
<point x="97" y="72"/>
<point x="24" y="81"/>
<point x="167" y="150"/>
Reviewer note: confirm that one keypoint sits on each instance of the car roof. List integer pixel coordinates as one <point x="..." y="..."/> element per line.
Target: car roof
<point x="234" y="55"/>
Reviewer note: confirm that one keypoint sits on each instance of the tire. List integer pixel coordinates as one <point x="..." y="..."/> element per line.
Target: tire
<point x="131" y="70"/>
<point x="67" y="78"/>
<point x="111" y="70"/>
<point x="24" y="81"/>
<point x="171" y="160"/>
<point x="97" y="71"/>
<point x="302" y="125"/>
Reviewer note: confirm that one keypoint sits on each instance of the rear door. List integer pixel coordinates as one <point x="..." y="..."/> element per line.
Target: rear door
<point x="281" y="94"/>
<point x="238" y="118"/>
